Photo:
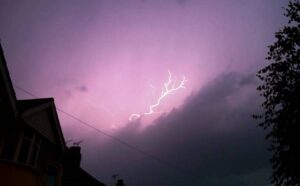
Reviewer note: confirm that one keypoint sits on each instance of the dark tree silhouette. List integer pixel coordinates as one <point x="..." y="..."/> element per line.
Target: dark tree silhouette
<point x="281" y="107"/>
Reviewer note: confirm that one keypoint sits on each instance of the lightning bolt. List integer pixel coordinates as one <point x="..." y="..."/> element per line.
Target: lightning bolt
<point x="169" y="88"/>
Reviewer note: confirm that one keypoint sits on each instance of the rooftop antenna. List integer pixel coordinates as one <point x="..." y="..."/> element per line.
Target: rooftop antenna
<point x="77" y="143"/>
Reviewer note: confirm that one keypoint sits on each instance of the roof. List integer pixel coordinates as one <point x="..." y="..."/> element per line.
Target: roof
<point x="31" y="111"/>
<point x="47" y="118"/>
<point x="7" y="93"/>
<point x="26" y="104"/>
<point x="79" y="177"/>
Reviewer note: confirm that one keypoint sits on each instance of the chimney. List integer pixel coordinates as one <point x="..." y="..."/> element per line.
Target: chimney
<point x="120" y="183"/>
<point x="73" y="157"/>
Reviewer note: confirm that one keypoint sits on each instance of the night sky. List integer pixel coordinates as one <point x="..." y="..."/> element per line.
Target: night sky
<point x="103" y="60"/>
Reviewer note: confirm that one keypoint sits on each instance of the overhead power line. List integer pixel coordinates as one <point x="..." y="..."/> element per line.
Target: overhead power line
<point x="120" y="141"/>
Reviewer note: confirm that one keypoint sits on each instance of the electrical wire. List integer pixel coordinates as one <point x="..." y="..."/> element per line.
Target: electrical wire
<point x="120" y="141"/>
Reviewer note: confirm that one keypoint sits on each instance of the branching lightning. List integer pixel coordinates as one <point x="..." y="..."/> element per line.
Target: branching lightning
<point x="169" y="88"/>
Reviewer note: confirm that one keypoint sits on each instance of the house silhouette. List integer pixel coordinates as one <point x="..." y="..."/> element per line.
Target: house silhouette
<point x="33" y="151"/>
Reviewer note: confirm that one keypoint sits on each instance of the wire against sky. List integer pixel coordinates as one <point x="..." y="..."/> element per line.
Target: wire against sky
<point x="168" y="88"/>
<point x="120" y="141"/>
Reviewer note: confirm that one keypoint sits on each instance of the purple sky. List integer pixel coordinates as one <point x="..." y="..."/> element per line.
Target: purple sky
<point x="103" y="60"/>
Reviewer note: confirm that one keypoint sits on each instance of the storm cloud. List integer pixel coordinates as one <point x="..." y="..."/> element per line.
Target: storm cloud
<point x="210" y="140"/>
<point x="101" y="59"/>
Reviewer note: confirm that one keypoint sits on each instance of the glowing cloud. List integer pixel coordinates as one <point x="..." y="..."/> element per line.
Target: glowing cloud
<point x="169" y="88"/>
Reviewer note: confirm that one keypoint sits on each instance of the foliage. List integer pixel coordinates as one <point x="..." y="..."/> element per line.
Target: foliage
<point x="281" y="107"/>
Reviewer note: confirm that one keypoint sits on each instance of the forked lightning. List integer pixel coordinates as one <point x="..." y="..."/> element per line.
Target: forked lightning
<point x="169" y="87"/>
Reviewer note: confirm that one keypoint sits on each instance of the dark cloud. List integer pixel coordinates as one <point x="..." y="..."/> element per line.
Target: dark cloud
<point x="210" y="140"/>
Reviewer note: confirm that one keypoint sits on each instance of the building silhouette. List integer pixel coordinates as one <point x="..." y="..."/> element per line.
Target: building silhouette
<point x="120" y="183"/>
<point x="33" y="151"/>
<point x="74" y="175"/>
